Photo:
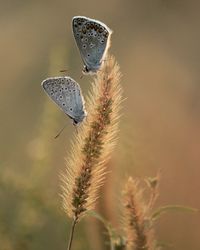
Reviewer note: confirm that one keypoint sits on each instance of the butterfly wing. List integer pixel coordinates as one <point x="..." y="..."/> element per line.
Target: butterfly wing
<point x="92" y="38"/>
<point x="66" y="93"/>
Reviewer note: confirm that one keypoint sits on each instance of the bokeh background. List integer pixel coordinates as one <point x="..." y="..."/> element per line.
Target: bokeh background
<point x="157" y="46"/>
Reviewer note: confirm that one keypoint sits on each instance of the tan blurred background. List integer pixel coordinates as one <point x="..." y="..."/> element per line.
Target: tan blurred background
<point x="157" y="46"/>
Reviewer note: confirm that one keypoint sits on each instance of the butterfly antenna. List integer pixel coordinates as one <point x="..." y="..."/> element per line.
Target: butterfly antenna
<point x="63" y="70"/>
<point x="60" y="132"/>
<point x="81" y="76"/>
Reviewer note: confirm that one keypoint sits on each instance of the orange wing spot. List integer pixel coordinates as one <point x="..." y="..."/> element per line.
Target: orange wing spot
<point x="100" y="30"/>
<point x="105" y="34"/>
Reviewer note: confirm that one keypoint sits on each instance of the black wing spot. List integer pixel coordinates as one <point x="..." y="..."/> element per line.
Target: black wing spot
<point x="92" y="45"/>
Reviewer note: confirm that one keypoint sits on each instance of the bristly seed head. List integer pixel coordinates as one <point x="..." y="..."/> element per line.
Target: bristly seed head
<point x="138" y="235"/>
<point x="86" y="168"/>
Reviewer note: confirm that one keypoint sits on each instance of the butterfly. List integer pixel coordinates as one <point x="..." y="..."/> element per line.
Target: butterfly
<point x="93" y="40"/>
<point x="66" y="93"/>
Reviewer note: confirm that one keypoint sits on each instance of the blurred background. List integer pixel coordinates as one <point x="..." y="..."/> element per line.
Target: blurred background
<point x="156" y="44"/>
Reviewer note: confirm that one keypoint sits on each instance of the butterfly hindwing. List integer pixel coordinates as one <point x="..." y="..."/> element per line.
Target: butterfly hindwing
<point x="92" y="38"/>
<point x="66" y="93"/>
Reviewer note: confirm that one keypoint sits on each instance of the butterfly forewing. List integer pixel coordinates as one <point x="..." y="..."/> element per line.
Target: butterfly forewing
<point x="66" y="93"/>
<point x="92" y="38"/>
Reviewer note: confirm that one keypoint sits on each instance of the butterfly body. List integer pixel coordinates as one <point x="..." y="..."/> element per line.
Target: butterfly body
<point x="93" y="39"/>
<point x="66" y="93"/>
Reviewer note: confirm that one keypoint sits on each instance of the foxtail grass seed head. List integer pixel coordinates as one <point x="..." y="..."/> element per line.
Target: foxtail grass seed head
<point x="92" y="146"/>
<point x="138" y="235"/>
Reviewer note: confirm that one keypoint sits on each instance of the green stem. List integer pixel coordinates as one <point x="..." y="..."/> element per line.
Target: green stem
<point x="72" y="233"/>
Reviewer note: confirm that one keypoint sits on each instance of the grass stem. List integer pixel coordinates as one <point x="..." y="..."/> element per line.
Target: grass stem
<point x="72" y="233"/>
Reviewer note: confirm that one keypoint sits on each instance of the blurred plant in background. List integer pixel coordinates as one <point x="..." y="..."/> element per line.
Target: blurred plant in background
<point x="31" y="213"/>
<point x="138" y="217"/>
